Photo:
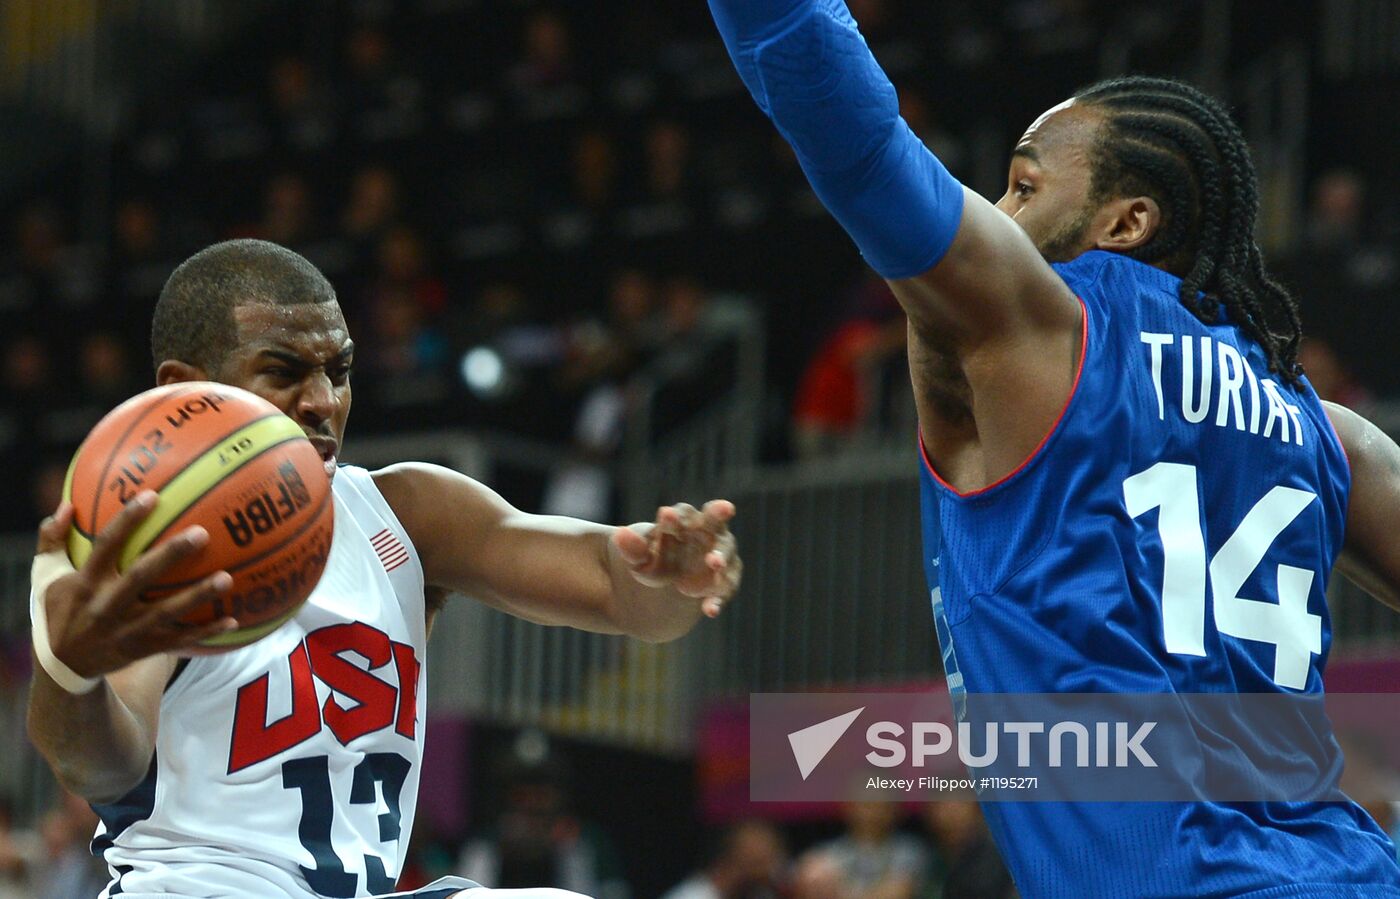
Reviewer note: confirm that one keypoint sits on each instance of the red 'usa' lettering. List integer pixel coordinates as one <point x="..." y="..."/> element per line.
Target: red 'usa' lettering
<point x="377" y="702"/>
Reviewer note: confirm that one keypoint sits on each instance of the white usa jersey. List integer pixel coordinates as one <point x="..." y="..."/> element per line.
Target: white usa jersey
<point x="290" y="767"/>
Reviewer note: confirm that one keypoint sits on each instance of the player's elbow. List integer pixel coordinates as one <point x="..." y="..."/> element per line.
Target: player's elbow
<point x="97" y="775"/>
<point x="665" y="634"/>
<point x="98" y="785"/>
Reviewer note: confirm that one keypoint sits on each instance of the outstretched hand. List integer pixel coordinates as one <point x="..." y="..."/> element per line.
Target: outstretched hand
<point x="98" y="619"/>
<point x="688" y="549"/>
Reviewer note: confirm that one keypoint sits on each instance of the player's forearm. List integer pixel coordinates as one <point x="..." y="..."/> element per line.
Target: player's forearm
<point x="95" y="744"/>
<point x="809" y="69"/>
<point x="653" y="614"/>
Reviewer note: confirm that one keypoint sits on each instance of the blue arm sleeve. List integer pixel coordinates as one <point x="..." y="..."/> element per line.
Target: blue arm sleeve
<point x="810" y="71"/>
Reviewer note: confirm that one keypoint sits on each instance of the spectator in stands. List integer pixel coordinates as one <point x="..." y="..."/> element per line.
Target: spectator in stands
<point x="547" y="56"/>
<point x="694" y="324"/>
<point x="502" y="315"/>
<point x="142" y="258"/>
<point x="664" y="205"/>
<point x="371" y="210"/>
<point x="287" y="218"/>
<point x="874" y="859"/>
<point x="28" y="396"/>
<point x="579" y="212"/>
<point x="748" y="863"/>
<point x="46" y="485"/>
<point x="104" y="378"/>
<point x="600" y="357"/>
<point x="403" y="342"/>
<point x="19" y="854"/>
<point x="667" y="160"/>
<point x="537" y="840"/>
<point x="1336" y="214"/>
<point x="818" y="876"/>
<point x="405" y="348"/>
<point x="105" y="372"/>
<point x="964" y="863"/>
<point x="595" y="170"/>
<point x="28" y="374"/>
<point x="403" y="267"/>
<point x="838" y="396"/>
<point x="69" y="870"/>
<point x="1345" y="246"/>
<point x="403" y="307"/>
<point x="611" y="348"/>
<point x="290" y="218"/>
<point x="1330" y="376"/>
<point x="303" y="108"/>
<point x="39" y="243"/>
<point x="385" y="95"/>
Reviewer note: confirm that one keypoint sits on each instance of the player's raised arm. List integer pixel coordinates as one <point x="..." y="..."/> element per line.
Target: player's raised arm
<point x="957" y="263"/>
<point x="650" y="581"/>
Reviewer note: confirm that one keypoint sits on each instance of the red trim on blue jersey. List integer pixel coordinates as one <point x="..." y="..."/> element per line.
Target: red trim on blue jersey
<point x="1074" y="389"/>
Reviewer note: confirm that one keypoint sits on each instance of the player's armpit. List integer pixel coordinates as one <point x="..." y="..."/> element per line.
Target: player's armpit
<point x="1371" y="553"/>
<point x="992" y="286"/>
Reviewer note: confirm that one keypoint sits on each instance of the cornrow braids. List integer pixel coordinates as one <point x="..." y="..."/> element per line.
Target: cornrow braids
<point x="1169" y="141"/>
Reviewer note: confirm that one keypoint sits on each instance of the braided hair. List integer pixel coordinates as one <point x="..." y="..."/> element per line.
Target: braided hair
<point x="1169" y="141"/>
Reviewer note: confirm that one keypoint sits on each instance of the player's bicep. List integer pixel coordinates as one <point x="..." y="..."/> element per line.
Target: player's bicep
<point x="1371" y="552"/>
<point x="991" y="286"/>
<point x="471" y="541"/>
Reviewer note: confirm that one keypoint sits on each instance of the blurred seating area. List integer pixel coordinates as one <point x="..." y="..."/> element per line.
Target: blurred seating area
<point x="574" y="192"/>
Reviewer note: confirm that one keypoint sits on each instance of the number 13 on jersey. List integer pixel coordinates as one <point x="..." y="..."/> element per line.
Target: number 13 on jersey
<point x="1295" y="634"/>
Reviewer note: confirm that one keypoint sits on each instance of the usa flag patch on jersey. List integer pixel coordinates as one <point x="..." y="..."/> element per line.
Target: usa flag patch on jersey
<point x="389" y="549"/>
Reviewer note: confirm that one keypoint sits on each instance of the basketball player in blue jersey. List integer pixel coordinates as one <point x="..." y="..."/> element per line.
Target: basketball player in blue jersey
<point x="1128" y="486"/>
<point x="289" y="767"/>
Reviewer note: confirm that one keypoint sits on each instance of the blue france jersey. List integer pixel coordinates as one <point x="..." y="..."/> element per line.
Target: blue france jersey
<point x="1173" y="533"/>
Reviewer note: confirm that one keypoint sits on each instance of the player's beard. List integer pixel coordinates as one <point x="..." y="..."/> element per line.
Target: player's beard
<point x="1067" y="242"/>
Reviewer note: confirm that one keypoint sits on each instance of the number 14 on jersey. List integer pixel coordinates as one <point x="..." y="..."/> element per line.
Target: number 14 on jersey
<point x="1295" y="634"/>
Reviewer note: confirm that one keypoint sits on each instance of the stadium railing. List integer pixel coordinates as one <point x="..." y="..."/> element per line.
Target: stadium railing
<point x="833" y="595"/>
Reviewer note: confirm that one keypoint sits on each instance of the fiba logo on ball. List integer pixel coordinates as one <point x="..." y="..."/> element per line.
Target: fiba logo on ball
<point x="225" y="459"/>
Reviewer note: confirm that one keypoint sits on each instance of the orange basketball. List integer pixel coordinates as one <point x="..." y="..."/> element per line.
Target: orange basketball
<point x="220" y="457"/>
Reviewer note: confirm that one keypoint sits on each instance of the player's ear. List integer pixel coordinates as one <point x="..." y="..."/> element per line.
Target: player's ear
<point x="1129" y="223"/>
<point x="172" y="371"/>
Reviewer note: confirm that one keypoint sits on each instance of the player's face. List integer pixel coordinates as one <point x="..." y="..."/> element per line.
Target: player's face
<point x="1048" y="185"/>
<point x="298" y="358"/>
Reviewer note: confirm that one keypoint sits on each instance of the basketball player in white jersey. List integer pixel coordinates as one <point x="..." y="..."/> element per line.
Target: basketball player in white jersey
<point x="290" y="767"/>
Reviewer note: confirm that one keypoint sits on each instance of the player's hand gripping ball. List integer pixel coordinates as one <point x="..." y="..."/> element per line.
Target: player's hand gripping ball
<point x="225" y="459"/>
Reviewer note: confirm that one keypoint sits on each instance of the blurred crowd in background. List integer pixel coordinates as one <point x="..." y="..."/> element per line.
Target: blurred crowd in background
<point x="878" y="850"/>
<point x="573" y="193"/>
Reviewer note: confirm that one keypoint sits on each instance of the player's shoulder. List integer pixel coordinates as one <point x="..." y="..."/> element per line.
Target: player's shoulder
<point x="428" y="497"/>
<point x="1100" y="267"/>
